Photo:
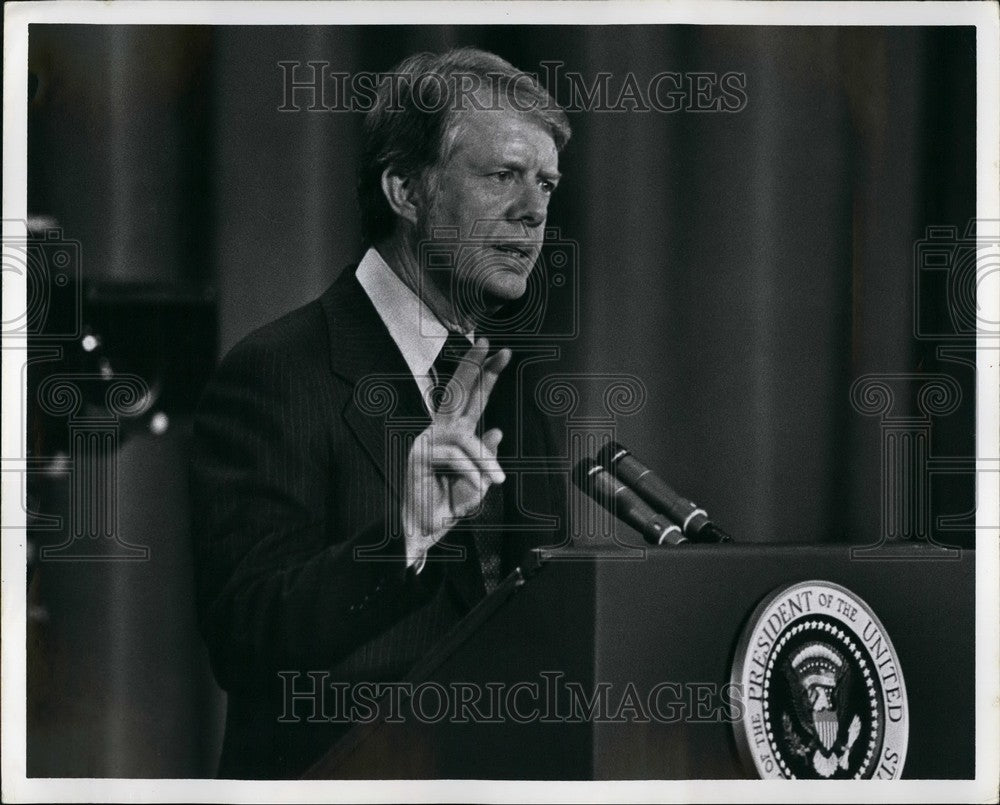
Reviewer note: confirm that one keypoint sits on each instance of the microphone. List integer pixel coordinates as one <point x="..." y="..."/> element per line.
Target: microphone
<point x="694" y="522"/>
<point x="621" y="501"/>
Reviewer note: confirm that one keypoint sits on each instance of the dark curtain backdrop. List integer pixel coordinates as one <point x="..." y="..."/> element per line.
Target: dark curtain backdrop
<point x="747" y="267"/>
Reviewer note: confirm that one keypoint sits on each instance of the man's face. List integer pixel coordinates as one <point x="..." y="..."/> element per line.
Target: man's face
<point x="492" y="189"/>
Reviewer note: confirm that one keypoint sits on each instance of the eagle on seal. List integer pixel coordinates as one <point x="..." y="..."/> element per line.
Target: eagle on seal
<point x="819" y="680"/>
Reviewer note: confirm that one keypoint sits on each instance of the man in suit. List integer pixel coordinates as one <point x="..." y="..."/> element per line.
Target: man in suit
<point x="350" y="470"/>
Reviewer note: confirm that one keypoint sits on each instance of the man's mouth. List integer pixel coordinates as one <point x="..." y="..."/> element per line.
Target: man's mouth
<point x="519" y="251"/>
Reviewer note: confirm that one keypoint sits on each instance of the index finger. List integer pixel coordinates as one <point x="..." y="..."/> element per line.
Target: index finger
<point x="482" y="386"/>
<point x="461" y="385"/>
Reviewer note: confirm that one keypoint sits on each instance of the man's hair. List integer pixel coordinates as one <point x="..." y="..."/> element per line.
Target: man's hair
<point x="407" y="129"/>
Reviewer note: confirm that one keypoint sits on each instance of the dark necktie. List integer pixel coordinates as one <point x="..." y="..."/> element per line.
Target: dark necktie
<point x="447" y="361"/>
<point x="490" y="515"/>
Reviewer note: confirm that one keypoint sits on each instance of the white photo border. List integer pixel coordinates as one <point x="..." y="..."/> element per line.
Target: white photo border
<point x="17" y="17"/>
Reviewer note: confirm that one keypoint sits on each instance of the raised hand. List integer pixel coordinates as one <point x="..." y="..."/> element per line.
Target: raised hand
<point x="450" y="468"/>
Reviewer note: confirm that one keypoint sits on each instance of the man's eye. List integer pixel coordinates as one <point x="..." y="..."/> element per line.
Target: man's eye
<point x="503" y="176"/>
<point x="547" y="186"/>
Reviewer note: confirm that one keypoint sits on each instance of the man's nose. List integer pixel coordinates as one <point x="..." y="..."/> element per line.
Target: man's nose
<point x="531" y="206"/>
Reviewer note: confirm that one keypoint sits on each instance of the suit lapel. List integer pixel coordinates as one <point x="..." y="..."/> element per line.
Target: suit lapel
<point x="386" y="405"/>
<point x="515" y="393"/>
<point x="501" y="413"/>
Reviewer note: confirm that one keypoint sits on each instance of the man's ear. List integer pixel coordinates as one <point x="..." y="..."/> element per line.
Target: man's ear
<point x="402" y="193"/>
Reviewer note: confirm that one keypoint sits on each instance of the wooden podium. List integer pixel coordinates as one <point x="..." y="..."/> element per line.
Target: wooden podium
<point x="661" y="631"/>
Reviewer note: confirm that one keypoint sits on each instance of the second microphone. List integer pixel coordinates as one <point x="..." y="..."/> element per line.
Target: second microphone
<point x="618" y="499"/>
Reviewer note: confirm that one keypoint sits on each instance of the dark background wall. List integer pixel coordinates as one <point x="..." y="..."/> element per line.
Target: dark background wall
<point x="746" y="266"/>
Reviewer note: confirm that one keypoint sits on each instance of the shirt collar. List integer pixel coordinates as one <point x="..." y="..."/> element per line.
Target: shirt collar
<point x="414" y="328"/>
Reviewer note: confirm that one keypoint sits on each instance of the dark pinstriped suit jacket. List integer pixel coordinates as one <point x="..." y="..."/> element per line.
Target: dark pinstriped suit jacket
<point x="290" y="477"/>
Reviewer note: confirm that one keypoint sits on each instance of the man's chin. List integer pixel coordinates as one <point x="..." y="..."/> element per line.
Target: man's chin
<point x="505" y="286"/>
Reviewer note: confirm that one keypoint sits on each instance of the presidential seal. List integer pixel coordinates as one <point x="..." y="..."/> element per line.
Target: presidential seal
<point x="822" y="691"/>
